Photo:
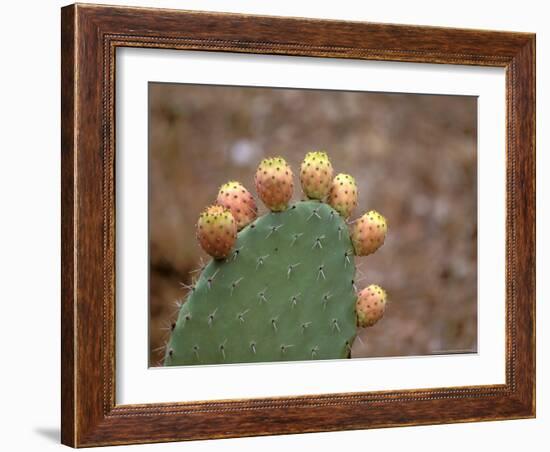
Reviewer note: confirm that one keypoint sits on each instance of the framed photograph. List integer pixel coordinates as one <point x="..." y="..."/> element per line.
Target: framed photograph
<point x="282" y="225"/>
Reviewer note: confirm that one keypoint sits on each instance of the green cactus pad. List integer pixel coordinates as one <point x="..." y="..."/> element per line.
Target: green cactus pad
<point x="286" y="293"/>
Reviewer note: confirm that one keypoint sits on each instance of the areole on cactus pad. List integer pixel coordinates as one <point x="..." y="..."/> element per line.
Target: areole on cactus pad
<point x="282" y="288"/>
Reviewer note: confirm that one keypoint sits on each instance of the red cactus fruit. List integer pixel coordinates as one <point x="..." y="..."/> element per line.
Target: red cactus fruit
<point x="370" y="305"/>
<point x="239" y="201"/>
<point x="316" y="175"/>
<point x="217" y="231"/>
<point x="343" y="194"/>
<point x="274" y="183"/>
<point x="368" y="233"/>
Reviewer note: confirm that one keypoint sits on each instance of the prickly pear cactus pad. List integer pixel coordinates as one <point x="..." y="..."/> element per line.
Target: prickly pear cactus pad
<point x="283" y="288"/>
<point x="285" y="293"/>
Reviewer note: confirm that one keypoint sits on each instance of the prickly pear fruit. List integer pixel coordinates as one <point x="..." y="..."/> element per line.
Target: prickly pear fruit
<point x="343" y="194"/>
<point x="368" y="233"/>
<point x="217" y="231"/>
<point x="370" y="306"/>
<point x="239" y="201"/>
<point x="316" y="175"/>
<point x="274" y="183"/>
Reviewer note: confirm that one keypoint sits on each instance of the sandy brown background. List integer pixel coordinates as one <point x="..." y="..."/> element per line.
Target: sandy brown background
<point x="414" y="159"/>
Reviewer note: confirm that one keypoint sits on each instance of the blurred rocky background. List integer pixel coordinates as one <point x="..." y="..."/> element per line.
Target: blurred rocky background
<point x="414" y="159"/>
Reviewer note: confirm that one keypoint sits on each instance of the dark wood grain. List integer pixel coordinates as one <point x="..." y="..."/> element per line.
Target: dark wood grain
<point x="68" y="310"/>
<point x="90" y="36"/>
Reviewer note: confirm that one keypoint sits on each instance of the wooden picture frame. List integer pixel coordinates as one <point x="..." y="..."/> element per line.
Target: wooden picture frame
<point x="90" y="36"/>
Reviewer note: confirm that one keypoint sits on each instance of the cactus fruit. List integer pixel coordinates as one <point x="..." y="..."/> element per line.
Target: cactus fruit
<point x="368" y="233"/>
<point x="316" y="175"/>
<point x="239" y="201"/>
<point x="343" y="194"/>
<point x="274" y="183"/>
<point x="371" y="304"/>
<point x="217" y="231"/>
<point x="282" y="288"/>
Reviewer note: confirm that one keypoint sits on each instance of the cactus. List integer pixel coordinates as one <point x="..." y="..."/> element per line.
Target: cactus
<point x="284" y="292"/>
